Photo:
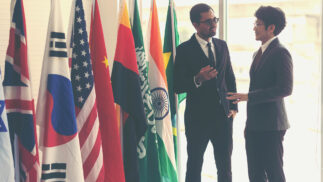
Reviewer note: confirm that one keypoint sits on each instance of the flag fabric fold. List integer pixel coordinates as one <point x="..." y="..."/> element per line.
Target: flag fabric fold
<point x="59" y="141"/>
<point x="127" y="96"/>
<point x="6" y="159"/>
<point x="85" y="99"/>
<point x="160" y="98"/>
<point x="111" y="146"/>
<point x="19" y="99"/>
<point x="148" y="160"/>
<point x="171" y="41"/>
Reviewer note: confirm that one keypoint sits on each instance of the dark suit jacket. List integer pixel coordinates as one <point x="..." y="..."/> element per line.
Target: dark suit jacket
<point x="201" y="102"/>
<point x="269" y="84"/>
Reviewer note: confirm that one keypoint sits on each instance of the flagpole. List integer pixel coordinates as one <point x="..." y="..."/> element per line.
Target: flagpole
<point x="16" y="159"/>
<point x="69" y="33"/>
<point x="179" y="167"/>
<point x="93" y="8"/>
<point x="15" y="137"/>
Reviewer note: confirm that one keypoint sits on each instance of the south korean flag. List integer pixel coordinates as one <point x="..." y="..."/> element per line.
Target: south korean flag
<point x="56" y="119"/>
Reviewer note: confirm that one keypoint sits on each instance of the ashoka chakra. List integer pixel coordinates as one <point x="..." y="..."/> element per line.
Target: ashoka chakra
<point x="159" y="98"/>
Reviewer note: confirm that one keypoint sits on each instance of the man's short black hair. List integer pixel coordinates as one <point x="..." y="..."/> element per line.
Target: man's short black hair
<point x="195" y="13"/>
<point x="272" y="16"/>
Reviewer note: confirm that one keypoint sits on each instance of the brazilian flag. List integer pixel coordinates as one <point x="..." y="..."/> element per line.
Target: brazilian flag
<point x="171" y="41"/>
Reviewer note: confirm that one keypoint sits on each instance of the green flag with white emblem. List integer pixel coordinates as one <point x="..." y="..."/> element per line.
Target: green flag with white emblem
<point x="148" y="146"/>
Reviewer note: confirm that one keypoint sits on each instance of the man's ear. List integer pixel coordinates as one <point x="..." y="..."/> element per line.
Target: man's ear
<point x="272" y="28"/>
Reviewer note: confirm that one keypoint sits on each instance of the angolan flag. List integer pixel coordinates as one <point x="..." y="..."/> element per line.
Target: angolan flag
<point x="127" y="96"/>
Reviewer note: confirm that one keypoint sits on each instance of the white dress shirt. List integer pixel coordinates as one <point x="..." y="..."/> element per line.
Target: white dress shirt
<point x="203" y="44"/>
<point x="265" y="45"/>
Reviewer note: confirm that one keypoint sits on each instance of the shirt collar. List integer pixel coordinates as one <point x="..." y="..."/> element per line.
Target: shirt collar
<point x="201" y="41"/>
<point x="265" y="45"/>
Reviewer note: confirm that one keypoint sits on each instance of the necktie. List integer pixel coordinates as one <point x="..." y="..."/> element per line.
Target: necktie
<point x="211" y="55"/>
<point x="257" y="58"/>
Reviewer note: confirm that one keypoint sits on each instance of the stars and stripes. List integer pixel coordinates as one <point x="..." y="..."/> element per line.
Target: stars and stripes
<point x="85" y="100"/>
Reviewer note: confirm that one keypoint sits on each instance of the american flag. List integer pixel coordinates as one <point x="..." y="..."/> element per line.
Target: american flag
<point x="85" y="100"/>
<point x="19" y="99"/>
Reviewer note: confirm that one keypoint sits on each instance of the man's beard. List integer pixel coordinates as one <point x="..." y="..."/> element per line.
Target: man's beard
<point x="211" y="34"/>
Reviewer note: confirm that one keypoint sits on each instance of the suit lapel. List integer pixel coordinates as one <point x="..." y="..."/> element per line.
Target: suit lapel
<point x="204" y="60"/>
<point x="252" y="68"/>
<point x="219" y="55"/>
<point x="264" y="57"/>
<point x="198" y="50"/>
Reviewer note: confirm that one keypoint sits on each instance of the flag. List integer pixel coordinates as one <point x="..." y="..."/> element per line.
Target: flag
<point x="59" y="141"/>
<point x="85" y="99"/>
<point x="111" y="146"/>
<point x="19" y="99"/>
<point x="127" y="96"/>
<point x="171" y="41"/>
<point x="158" y="85"/>
<point x="148" y="158"/>
<point x="7" y="172"/>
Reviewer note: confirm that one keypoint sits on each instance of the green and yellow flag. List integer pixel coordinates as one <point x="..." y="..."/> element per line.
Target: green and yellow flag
<point x="171" y="41"/>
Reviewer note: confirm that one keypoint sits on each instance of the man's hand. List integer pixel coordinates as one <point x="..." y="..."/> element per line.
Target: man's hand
<point x="232" y="114"/>
<point x="237" y="97"/>
<point x="206" y="73"/>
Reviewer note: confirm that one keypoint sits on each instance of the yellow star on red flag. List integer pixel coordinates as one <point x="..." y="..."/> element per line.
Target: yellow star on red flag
<point x="105" y="61"/>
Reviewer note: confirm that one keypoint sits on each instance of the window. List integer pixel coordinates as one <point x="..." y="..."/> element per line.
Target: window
<point x="302" y="36"/>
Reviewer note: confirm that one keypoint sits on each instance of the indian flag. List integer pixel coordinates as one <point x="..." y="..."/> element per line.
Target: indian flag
<point x="160" y="99"/>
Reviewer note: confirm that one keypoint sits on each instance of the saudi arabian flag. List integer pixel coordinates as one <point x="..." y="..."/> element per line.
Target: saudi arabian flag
<point x="148" y="152"/>
<point x="171" y="41"/>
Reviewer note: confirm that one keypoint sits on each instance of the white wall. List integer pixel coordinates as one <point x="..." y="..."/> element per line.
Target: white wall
<point x="37" y="16"/>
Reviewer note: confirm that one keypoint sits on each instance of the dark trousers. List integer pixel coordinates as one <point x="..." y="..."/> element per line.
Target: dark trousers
<point x="265" y="155"/>
<point x="218" y="130"/>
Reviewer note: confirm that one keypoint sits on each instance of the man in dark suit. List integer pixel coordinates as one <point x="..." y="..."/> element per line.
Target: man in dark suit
<point x="203" y="70"/>
<point x="271" y="80"/>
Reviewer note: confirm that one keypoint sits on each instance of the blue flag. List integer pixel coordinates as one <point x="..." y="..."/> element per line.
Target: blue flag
<point x="6" y="159"/>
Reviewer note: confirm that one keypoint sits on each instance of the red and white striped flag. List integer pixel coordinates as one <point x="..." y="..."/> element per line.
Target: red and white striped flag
<point x="85" y="99"/>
